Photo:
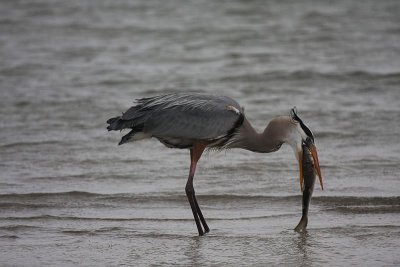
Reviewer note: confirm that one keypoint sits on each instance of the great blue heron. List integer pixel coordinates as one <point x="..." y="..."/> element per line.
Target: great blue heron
<point x="198" y="121"/>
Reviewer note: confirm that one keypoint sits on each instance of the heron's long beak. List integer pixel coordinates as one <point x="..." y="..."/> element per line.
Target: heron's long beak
<point x="314" y="154"/>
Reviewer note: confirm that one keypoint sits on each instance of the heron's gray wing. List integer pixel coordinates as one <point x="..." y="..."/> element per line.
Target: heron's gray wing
<point x="189" y="116"/>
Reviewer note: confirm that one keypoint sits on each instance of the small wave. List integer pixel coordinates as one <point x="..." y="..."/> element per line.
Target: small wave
<point x="17" y="206"/>
<point x="309" y="74"/>
<point x="356" y="201"/>
<point x="218" y="197"/>
<point x="317" y="14"/>
<point x="355" y="228"/>
<point x="53" y="198"/>
<point x="43" y="200"/>
<point x="237" y="197"/>
<point x="74" y="218"/>
<point x="48" y="195"/>
<point x="39" y="217"/>
<point x="18" y="227"/>
<point x="145" y="198"/>
<point x="23" y="69"/>
<point x="137" y="219"/>
<point x="17" y="144"/>
<point x="367" y="209"/>
<point x="115" y="82"/>
<point x="337" y="134"/>
<point x="9" y="236"/>
<point x="92" y="231"/>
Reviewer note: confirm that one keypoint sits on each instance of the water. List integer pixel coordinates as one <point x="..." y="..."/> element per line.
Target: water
<point x="70" y="196"/>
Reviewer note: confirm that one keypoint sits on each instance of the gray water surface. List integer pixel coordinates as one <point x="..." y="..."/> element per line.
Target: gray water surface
<point x="69" y="196"/>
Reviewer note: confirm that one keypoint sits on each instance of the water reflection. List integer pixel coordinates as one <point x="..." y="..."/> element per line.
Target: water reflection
<point x="193" y="251"/>
<point x="301" y="243"/>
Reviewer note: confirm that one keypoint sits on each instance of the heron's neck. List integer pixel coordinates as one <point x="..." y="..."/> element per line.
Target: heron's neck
<point x="250" y="139"/>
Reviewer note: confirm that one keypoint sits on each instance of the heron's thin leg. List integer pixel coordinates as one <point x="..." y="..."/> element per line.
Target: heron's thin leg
<point x="195" y="154"/>
<point x="190" y="195"/>
<point x="203" y="221"/>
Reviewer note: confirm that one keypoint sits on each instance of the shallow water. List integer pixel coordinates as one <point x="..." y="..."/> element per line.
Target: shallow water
<point x="70" y="196"/>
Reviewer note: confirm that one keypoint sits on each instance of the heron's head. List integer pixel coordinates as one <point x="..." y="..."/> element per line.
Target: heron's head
<point x="296" y="134"/>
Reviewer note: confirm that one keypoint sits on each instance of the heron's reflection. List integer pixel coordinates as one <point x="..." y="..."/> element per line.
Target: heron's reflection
<point x="193" y="252"/>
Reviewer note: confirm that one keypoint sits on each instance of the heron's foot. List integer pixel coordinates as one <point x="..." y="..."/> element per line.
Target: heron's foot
<point x="206" y="230"/>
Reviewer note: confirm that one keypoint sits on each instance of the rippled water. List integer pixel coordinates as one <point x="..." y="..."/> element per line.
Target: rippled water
<point x="70" y="196"/>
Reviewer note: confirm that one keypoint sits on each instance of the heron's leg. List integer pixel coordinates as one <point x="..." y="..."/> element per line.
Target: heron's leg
<point x="195" y="154"/>
<point x="190" y="195"/>
<point x="203" y="221"/>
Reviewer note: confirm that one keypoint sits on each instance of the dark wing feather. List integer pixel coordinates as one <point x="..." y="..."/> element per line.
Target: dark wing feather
<point x="188" y="116"/>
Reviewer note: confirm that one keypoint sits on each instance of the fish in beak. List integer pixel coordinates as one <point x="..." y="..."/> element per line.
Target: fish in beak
<point x="309" y="175"/>
<point x="309" y="144"/>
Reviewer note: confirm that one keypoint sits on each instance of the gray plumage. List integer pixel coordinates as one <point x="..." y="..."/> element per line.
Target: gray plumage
<point x="178" y="120"/>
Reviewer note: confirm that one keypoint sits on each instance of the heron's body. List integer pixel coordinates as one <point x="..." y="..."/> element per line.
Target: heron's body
<point x="174" y="120"/>
<point x="197" y="122"/>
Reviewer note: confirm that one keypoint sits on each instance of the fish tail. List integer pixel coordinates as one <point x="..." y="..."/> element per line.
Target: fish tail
<point x="301" y="227"/>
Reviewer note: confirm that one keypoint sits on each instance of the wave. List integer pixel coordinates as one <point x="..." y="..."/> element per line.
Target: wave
<point x="17" y="144"/>
<point x="17" y="205"/>
<point x="48" y="194"/>
<point x="93" y="231"/>
<point x="367" y="209"/>
<point x="18" y="227"/>
<point x="9" y="236"/>
<point x="75" y="218"/>
<point x="20" y="203"/>
<point x="33" y="199"/>
<point x="356" y="201"/>
<point x="309" y="74"/>
<point x="134" y="219"/>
